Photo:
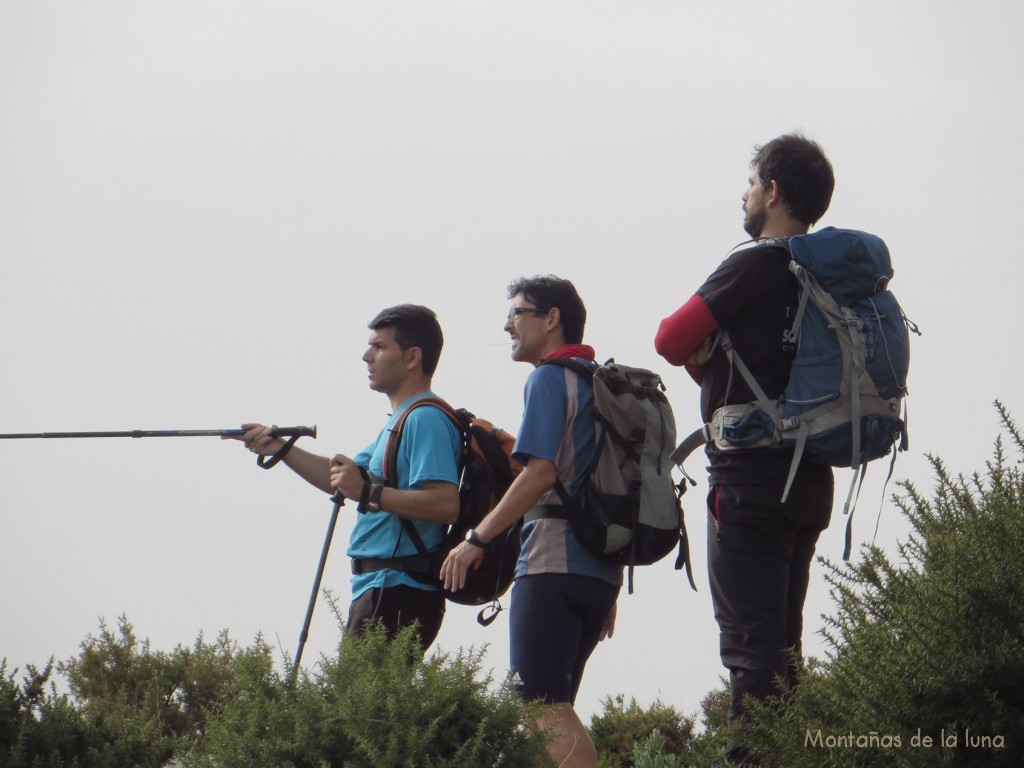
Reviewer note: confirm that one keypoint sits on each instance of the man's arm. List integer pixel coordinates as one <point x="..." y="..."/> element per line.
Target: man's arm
<point x="436" y="501"/>
<point x="536" y="479"/>
<point x="682" y="334"/>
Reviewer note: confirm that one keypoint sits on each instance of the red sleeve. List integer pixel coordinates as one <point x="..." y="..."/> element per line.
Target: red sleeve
<point x="681" y="333"/>
<point x="696" y="373"/>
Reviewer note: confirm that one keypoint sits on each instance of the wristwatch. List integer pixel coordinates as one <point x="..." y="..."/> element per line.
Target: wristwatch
<point x="373" y="502"/>
<point x="475" y="540"/>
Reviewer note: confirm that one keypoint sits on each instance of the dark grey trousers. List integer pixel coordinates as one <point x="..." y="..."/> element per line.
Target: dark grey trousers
<point x="759" y="559"/>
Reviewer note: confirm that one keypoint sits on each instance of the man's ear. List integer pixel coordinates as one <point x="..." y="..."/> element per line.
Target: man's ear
<point x="553" y="325"/>
<point x="413" y="358"/>
<point x="553" y="319"/>
<point x="773" y="195"/>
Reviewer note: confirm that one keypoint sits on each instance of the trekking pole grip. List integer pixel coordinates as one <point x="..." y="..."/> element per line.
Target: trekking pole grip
<point x="294" y="431"/>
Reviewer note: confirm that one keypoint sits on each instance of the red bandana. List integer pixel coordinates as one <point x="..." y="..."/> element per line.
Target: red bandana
<point x="584" y="351"/>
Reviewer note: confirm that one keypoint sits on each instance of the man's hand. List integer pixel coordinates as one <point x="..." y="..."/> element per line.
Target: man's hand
<point x="703" y="353"/>
<point x="458" y="564"/>
<point x="346" y="478"/>
<point x="259" y="439"/>
<point x="608" y="628"/>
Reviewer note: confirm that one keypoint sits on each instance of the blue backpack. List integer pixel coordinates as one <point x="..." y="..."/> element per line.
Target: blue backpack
<point x="843" y="405"/>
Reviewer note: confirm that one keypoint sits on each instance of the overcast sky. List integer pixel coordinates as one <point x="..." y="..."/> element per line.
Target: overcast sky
<point x="203" y="203"/>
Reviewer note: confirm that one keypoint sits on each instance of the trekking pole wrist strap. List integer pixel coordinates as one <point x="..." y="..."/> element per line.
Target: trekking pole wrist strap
<point x="369" y="497"/>
<point x="373" y="502"/>
<point x="266" y="462"/>
<point x="364" y="497"/>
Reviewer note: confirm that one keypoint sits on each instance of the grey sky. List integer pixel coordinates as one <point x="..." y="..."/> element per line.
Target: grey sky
<point x="202" y="204"/>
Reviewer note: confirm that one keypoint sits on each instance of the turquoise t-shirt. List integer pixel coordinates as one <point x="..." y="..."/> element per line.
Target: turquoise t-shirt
<point x="428" y="451"/>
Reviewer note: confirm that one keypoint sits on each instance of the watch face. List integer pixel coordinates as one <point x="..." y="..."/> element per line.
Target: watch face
<point x="469" y="535"/>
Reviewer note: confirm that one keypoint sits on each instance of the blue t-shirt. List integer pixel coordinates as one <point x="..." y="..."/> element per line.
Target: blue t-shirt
<point x="558" y="426"/>
<point x="428" y="451"/>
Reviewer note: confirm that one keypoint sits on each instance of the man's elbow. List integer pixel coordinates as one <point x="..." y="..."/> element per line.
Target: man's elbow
<point x="665" y="345"/>
<point x="545" y="474"/>
<point x="448" y="512"/>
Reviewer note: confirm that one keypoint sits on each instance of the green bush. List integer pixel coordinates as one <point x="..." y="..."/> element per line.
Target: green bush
<point x="651" y="753"/>
<point x="929" y="646"/>
<point x="159" y="696"/>
<point x="39" y="727"/>
<point x="629" y="736"/>
<point x="128" y="706"/>
<point x="376" y="705"/>
<point x="620" y="726"/>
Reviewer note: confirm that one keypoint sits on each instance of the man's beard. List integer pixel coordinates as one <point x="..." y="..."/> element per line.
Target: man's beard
<point x="753" y="223"/>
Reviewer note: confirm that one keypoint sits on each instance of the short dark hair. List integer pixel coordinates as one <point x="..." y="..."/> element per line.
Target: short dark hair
<point x="803" y="173"/>
<point x="547" y="292"/>
<point x="414" y="326"/>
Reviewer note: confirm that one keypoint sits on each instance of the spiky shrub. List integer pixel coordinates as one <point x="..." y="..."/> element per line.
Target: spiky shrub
<point x="40" y="727"/>
<point x="157" y="695"/>
<point x="265" y="718"/>
<point x="620" y="725"/>
<point x="128" y="704"/>
<point x="376" y="705"/>
<point x="630" y="736"/>
<point x="650" y="753"/>
<point x="930" y="646"/>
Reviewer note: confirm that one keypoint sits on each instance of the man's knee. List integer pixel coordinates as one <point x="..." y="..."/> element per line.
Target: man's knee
<point x="571" y="745"/>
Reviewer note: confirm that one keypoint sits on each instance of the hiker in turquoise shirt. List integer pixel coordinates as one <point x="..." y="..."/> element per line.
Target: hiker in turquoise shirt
<point x="402" y="353"/>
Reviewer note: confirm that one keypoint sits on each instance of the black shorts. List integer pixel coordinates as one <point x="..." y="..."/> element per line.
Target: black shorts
<point x="397" y="607"/>
<point x="555" y="623"/>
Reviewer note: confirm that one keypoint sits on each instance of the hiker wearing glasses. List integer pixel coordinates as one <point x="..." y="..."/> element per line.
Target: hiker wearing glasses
<point x="563" y="600"/>
<point x="401" y="356"/>
<point x="759" y="548"/>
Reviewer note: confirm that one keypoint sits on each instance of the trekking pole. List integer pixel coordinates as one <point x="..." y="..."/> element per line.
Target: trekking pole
<point x="339" y="501"/>
<point x="278" y="432"/>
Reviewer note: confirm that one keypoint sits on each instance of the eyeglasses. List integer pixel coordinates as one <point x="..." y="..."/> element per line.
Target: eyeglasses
<point x="520" y="311"/>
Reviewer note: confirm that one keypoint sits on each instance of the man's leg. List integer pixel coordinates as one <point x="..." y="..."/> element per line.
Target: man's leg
<point x="398" y="607"/>
<point x="748" y="572"/>
<point x="810" y="507"/>
<point x="554" y="625"/>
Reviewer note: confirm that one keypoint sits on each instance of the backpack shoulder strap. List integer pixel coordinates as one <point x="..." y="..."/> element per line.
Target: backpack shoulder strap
<point x="582" y="369"/>
<point x="736" y="362"/>
<point x="389" y="465"/>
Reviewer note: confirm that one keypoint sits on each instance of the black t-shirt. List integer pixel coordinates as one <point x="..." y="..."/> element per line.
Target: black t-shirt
<point x="754" y="297"/>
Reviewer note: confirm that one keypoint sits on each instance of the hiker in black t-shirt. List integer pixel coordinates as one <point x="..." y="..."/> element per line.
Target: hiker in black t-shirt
<point x="759" y="548"/>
